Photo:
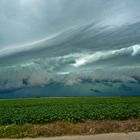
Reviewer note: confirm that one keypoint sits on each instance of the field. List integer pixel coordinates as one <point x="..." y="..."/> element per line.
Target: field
<point x="68" y="116"/>
<point x="46" y="110"/>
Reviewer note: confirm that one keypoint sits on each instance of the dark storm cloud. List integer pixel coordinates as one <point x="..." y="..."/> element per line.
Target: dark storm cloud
<point x="24" y="21"/>
<point x="69" y="42"/>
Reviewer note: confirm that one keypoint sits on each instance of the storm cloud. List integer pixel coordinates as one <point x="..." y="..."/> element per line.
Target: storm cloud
<point x="69" y="42"/>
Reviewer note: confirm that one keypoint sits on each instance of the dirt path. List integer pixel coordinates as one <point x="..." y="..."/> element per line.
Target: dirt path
<point x="112" y="136"/>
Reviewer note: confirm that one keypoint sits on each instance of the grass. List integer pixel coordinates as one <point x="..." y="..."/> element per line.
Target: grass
<point x="68" y="116"/>
<point x="68" y="128"/>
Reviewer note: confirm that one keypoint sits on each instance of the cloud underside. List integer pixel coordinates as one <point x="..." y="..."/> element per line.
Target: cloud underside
<point x="111" y="66"/>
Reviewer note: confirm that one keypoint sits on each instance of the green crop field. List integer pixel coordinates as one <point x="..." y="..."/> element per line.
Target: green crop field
<point x="46" y="110"/>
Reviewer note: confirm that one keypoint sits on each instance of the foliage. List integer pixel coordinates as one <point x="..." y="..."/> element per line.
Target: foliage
<point x="46" y="110"/>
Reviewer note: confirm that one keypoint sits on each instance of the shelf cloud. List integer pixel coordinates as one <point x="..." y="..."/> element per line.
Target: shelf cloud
<point x="44" y="42"/>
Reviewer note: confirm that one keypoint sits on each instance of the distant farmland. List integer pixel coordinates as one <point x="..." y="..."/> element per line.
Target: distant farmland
<point x="47" y="110"/>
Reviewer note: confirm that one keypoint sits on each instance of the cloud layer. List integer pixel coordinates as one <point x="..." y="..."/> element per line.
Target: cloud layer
<point x="45" y="42"/>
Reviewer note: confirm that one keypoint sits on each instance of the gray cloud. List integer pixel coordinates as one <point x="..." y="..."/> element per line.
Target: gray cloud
<point x="31" y="20"/>
<point x="69" y="42"/>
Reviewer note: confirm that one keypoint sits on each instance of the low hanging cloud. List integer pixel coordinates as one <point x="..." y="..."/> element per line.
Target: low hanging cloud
<point x="33" y="74"/>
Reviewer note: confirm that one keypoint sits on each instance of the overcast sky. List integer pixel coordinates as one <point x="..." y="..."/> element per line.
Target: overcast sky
<point x="46" y="40"/>
<point x="27" y="20"/>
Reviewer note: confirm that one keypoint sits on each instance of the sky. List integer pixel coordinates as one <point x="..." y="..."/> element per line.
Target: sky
<point x="72" y="48"/>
